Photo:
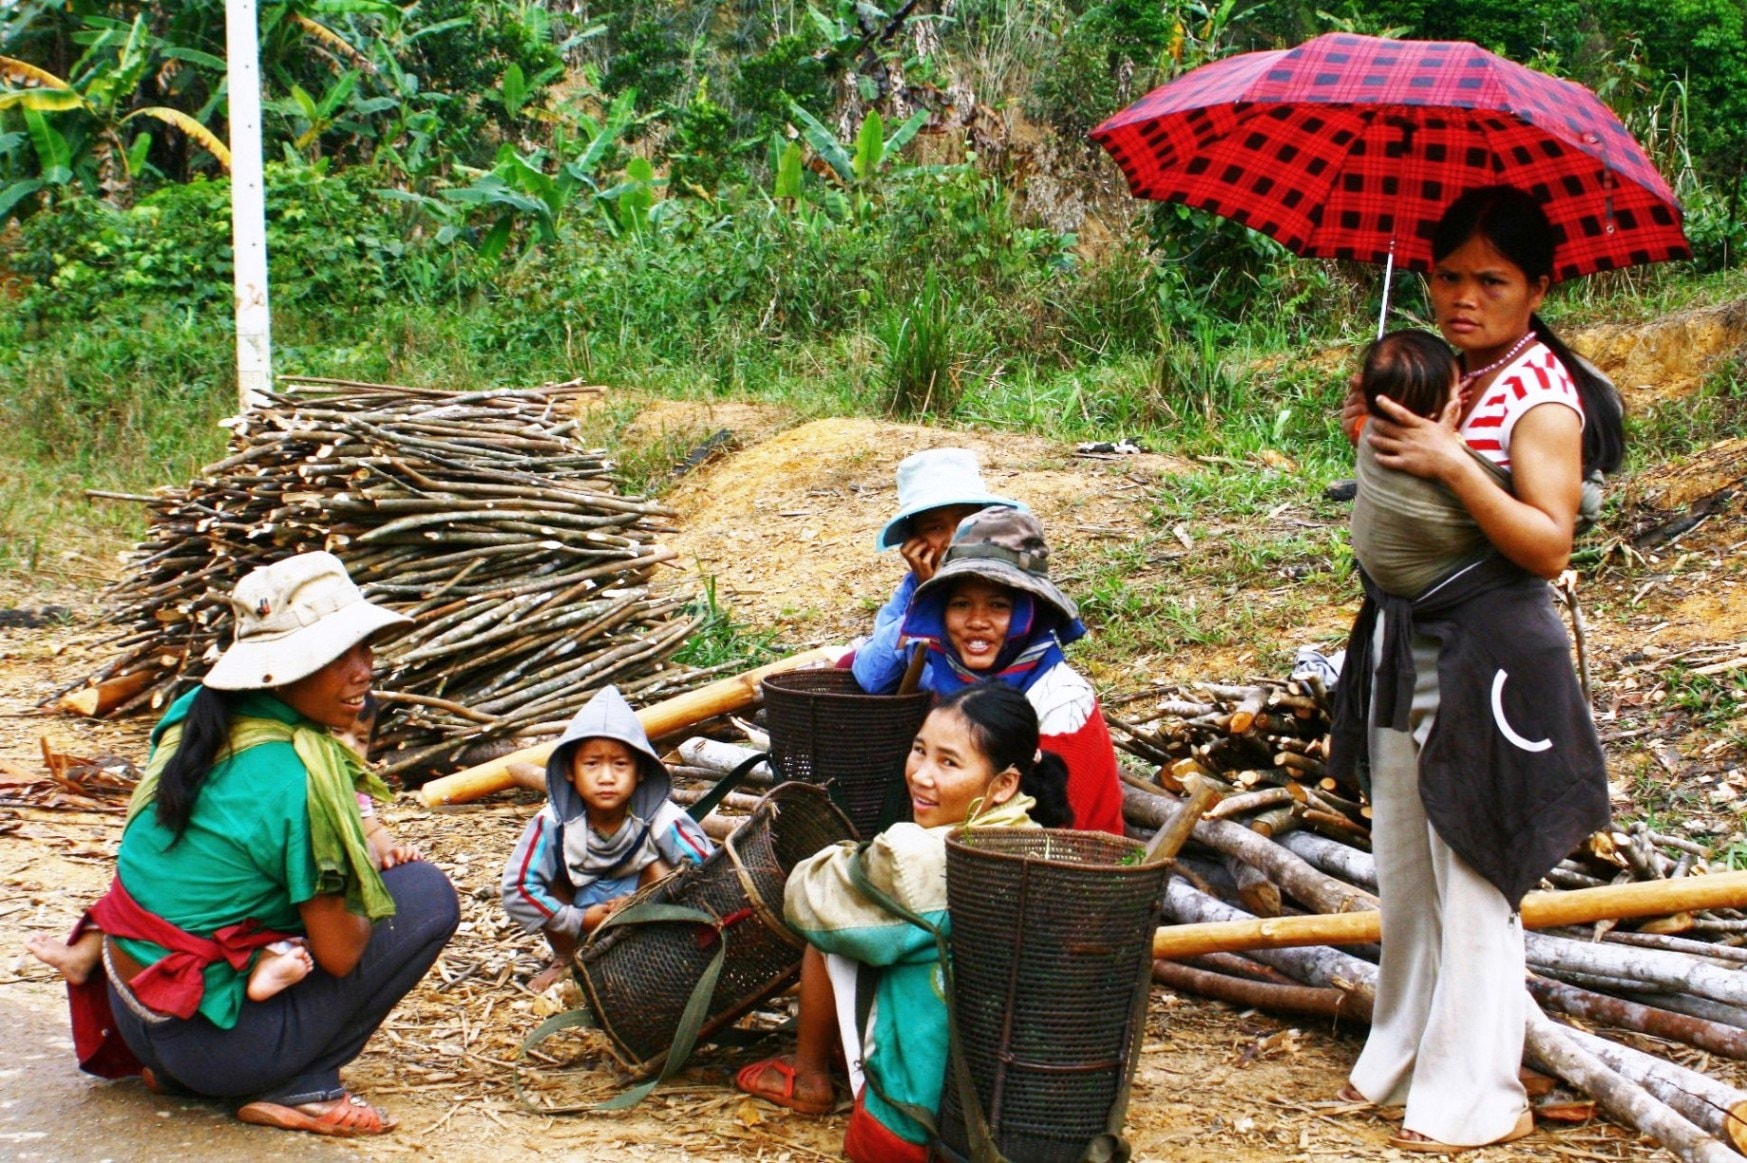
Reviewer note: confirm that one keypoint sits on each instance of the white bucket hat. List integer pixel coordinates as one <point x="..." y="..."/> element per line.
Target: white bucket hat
<point x="932" y="478"/>
<point x="293" y="618"/>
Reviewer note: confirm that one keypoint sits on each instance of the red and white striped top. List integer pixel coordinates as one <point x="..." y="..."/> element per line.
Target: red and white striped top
<point x="1537" y="377"/>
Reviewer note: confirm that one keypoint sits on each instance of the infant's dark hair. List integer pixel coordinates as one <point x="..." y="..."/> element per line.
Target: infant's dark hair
<point x="1413" y="368"/>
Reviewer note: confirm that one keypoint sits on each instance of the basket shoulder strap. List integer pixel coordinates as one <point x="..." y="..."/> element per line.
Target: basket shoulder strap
<point x="685" y="1034"/>
<point x="983" y="1148"/>
<point x="725" y="785"/>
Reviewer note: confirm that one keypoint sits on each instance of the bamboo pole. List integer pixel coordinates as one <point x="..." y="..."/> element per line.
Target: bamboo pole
<point x="729" y="694"/>
<point x="1540" y="910"/>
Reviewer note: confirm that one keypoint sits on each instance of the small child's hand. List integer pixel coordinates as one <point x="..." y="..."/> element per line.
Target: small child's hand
<point x="401" y="854"/>
<point x="595" y="916"/>
<point x="923" y="557"/>
<point x="1354" y="409"/>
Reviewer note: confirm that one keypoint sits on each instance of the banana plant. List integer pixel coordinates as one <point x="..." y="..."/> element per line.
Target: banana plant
<point x="857" y="164"/>
<point x="338" y="108"/>
<point x="76" y="125"/>
<point x="520" y="187"/>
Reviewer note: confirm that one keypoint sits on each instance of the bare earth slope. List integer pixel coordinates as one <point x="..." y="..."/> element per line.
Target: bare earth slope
<point x="786" y="527"/>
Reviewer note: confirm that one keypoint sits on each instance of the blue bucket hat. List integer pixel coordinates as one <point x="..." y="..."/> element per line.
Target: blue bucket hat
<point x="931" y="479"/>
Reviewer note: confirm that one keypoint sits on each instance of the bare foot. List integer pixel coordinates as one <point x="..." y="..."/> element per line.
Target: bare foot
<point x="280" y="966"/>
<point x="544" y="980"/>
<point x="75" y="962"/>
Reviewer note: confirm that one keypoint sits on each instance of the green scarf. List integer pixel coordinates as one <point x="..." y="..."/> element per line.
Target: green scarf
<point x="336" y="831"/>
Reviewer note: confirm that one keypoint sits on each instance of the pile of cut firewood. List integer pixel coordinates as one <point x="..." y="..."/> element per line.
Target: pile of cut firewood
<point x="1285" y="840"/>
<point x="478" y="514"/>
<point x="1263" y="745"/>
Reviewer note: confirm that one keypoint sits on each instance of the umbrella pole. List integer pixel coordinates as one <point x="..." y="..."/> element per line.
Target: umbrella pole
<point x="1388" y="270"/>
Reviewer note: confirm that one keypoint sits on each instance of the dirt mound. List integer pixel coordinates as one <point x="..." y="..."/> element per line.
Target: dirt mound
<point x="786" y="527"/>
<point x="1665" y="358"/>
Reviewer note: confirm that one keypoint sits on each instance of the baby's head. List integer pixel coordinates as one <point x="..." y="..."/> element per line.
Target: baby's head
<point x="605" y="773"/>
<point x="1416" y="369"/>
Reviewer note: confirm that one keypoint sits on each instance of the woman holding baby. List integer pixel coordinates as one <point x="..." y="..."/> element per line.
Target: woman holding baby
<point x="1461" y="706"/>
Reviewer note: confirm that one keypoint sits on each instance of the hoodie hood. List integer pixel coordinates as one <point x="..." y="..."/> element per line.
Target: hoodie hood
<point x="607" y="716"/>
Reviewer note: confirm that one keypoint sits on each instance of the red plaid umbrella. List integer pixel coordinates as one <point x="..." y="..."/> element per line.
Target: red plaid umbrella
<point x="1352" y="146"/>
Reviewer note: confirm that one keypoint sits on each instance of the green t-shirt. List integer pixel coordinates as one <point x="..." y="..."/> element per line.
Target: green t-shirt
<point x="246" y="853"/>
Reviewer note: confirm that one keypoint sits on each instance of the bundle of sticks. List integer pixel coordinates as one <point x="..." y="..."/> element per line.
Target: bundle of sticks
<point x="527" y="573"/>
<point x="1262" y="745"/>
<point x="1676" y="977"/>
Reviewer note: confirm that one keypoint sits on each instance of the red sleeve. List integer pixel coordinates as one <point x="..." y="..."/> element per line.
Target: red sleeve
<point x="1094" y="791"/>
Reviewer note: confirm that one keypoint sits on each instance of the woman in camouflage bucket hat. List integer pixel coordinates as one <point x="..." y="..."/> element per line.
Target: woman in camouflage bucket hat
<point x="990" y="613"/>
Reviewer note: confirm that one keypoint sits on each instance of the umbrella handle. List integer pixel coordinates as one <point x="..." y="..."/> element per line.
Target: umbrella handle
<point x="1388" y="270"/>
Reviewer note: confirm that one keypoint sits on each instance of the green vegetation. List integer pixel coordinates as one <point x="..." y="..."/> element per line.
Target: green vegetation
<point x="768" y="201"/>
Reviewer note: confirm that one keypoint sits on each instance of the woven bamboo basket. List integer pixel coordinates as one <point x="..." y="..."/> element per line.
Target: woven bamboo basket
<point x="1052" y="953"/>
<point x="638" y="977"/>
<point x="824" y="729"/>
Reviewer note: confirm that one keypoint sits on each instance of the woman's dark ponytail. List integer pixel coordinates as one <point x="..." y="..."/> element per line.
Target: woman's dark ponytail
<point x="1517" y="227"/>
<point x="1004" y="725"/>
<point x="205" y="739"/>
<point x="1046" y="781"/>
<point x="1604" y="414"/>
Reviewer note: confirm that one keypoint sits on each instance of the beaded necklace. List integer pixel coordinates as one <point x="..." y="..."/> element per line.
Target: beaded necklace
<point x="1469" y="378"/>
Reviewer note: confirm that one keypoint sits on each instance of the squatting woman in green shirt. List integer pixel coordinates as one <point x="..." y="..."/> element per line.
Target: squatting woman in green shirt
<point x="246" y="828"/>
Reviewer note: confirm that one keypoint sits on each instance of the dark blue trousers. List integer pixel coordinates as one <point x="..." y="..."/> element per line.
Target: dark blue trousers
<point x="289" y="1048"/>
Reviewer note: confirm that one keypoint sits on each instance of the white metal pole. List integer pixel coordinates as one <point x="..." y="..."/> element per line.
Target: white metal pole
<point x="1388" y="270"/>
<point x="248" y="204"/>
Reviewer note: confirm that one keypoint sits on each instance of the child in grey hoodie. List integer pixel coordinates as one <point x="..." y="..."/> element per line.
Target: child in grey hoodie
<point x="608" y="828"/>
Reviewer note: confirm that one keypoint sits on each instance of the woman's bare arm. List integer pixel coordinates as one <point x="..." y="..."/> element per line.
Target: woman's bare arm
<point x="337" y="936"/>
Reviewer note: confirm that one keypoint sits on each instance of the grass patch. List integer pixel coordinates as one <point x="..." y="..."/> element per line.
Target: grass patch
<point x="1673" y="428"/>
<point x="719" y="640"/>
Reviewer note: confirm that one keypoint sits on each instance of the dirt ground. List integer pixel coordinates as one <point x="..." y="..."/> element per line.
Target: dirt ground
<point x="1214" y="1084"/>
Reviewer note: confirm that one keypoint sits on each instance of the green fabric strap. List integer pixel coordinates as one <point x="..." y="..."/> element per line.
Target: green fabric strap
<point x="1106" y="1148"/>
<point x="685" y="1034"/>
<point x="336" y="832"/>
<point x="983" y="1148"/>
<point x="726" y="784"/>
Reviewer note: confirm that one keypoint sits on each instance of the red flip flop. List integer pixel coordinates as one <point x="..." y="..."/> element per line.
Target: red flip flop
<point x="748" y="1077"/>
<point x="346" y="1118"/>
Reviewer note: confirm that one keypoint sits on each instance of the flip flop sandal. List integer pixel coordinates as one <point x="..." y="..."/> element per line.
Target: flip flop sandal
<point x="1525" y="1126"/>
<point x="1350" y="1095"/>
<point x="348" y="1117"/>
<point x="747" y="1080"/>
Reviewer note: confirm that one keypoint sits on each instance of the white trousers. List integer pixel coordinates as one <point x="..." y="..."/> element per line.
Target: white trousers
<point x="1447" y="1030"/>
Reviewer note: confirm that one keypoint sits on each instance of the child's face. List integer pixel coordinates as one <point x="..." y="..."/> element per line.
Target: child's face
<point x="604" y="774"/>
<point x="947" y="772"/>
<point x="978" y="616"/>
<point x="935" y="527"/>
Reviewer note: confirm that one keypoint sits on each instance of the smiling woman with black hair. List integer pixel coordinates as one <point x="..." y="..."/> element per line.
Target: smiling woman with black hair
<point x="244" y="832"/>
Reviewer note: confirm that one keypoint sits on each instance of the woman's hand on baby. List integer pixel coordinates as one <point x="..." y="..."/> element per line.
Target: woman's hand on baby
<point x="1430" y="449"/>
<point x="922" y="557"/>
